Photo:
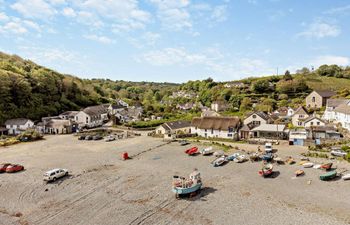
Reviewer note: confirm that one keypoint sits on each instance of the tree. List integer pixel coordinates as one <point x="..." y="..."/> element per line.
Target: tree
<point x="287" y="76"/>
<point x="246" y="104"/>
<point x="329" y="71"/>
<point x="303" y="71"/>
<point x="260" y="86"/>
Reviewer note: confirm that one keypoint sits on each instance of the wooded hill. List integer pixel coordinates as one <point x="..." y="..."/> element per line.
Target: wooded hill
<point x="32" y="91"/>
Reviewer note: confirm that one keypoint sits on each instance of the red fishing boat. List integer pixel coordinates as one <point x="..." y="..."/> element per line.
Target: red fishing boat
<point x="192" y="151"/>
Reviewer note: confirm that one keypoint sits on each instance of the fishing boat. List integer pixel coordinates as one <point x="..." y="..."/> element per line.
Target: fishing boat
<point x="219" y="161"/>
<point x="192" y="151"/>
<point x="317" y="166"/>
<point x="308" y="165"/>
<point x="267" y="170"/>
<point x="191" y="185"/>
<point x="240" y="159"/>
<point x="219" y="153"/>
<point x="267" y="157"/>
<point x="299" y="173"/>
<point x="207" y="151"/>
<point x="346" y="176"/>
<point x="326" y="166"/>
<point x="233" y="156"/>
<point x="302" y="162"/>
<point x="328" y="176"/>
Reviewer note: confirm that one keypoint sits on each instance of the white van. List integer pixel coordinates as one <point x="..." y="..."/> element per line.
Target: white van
<point x="55" y="174"/>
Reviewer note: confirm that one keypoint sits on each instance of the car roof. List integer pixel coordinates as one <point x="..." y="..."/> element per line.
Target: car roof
<point x="54" y="170"/>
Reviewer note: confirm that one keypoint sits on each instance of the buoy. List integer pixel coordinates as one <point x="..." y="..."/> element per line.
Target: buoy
<point x="125" y="156"/>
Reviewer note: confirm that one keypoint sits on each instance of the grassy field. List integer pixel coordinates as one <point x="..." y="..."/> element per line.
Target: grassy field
<point x="316" y="82"/>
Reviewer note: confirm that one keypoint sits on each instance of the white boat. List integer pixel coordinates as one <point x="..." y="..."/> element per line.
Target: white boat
<point x="219" y="153"/>
<point x="219" y="161"/>
<point x="346" y="176"/>
<point x="207" y="151"/>
<point x="308" y="165"/>
<point x="240" y="159"/>
<point x="268" y="147"/>
<point x="317" y="166"/>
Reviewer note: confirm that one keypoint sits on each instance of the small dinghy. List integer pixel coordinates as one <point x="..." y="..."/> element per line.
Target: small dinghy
<point x="192" y="151"/>
<point x="219" y="161"/>
<point x="267" y="170"/>
<point x="290" y="160"/>
<point x="317" y="166"/>
<point x="191" y="185"/>
<point x="219" y="153"/>
<point x="308" y="165"/>
<point x="326" y="166"/>
<point x="328" y="176"/>
<point x="240" y="159"/>
<point x="207" y="151"/>
<point x="233" y="156"/>
<point x="299" y="173"/>
<point x="303" y="162"/>
<point x="267" y="157"/>
<point x="346" y="176"/>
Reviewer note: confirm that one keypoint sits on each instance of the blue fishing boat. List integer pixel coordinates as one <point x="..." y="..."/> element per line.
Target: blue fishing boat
<point x="232" y="157"/>
<point x="183" y="186"/>
<point x="267" y="157"/>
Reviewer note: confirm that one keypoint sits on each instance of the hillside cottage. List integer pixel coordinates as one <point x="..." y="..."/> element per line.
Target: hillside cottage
<point x="17" y="126"/>
<point x="317" y="99"/>
<point x="92" y="116"/>
<point x="332" y="104"/>
<point x="216" y="127"/>
<point x="219" y="106"/>
<point x="342" y="116"/>
<point x="257" y="118"/>
<point x="171" y="129"/>
<point x="313" y="121"/>
<point x="69" y="115"/>
<point x="299" y="116"/>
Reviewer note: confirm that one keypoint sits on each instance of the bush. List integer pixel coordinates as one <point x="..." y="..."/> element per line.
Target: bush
<point x="29" y="135"/>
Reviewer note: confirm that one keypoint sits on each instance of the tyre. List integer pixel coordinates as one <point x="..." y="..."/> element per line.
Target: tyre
<point x="54" y="179"/>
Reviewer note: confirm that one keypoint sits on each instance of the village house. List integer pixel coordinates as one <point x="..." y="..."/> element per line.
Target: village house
<point x="313" y="121"/>
<point x="284" y="112"/>
<point x="253" y="120"/>
<point x="342" y="116"/>
<point x="216" y="127"/>
<point x="317" y="99"/>
<point x="69" y="115"/>
<point x="219" y="106"/>
<point x="332" y="104"/>
<point x="298" y="136"/>
<point x="58" y="126"/>
<point x="93" y="116"/>
<point x="4" y="131"/>
<point x="270" y="131"/>
<point x="122" y="103"/>
<point x="169" y="130"/>
<point x="131" y="114"/>
<point x="320" y="133"/>
<point x="209" y="113"/>
<point x="299" y="117"/>
<point x="17" y="126"/>
<point x="115" y="108"/>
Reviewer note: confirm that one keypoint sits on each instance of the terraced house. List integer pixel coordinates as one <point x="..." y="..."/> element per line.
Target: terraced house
<point x="92" y="116"/>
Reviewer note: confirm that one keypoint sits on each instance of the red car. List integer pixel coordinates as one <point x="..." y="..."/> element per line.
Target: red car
<point x="3" y="167"/>
<point x="14" y="168"/>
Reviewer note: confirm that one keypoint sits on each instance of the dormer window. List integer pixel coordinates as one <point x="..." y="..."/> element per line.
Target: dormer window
<point x="313" y="99"/>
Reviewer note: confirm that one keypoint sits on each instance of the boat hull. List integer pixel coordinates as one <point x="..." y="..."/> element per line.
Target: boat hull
<point x="183" y="191"/>
<point x="328" y="176"/>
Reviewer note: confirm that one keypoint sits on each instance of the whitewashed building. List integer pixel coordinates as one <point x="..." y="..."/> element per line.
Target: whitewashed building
<point x="92" y="116"/>
<point x="313" y="121"/>
<point x="17" y="126"/>
<point x="216" y="127"/>
<point x="299" y="116"/>
<point x="342" y="116"/>
<point x="332" y="104"/>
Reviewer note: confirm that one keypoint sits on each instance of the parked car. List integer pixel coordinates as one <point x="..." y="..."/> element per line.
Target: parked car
<point x="14" y="168"/>
<point x="184" y="142"/>
<point x="82" y="137"/>
<point x="268" y="147"/>
<point x="3" y="167"/>
<point x="110" y="138"/>
<point x="55" y="174"/>
<point x="97" y="137"/>
<point x="88" y="137"/>
<point x="339" y="153"/>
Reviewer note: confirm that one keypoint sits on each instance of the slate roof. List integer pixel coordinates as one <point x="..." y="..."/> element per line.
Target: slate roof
<point x="270" y="127"/>
<point x="18" y="121"/>
<point x="176" y="125"/>
<point x="95" y="110"/>
<point x="345" y="109"/>
<point x="312" y="118"/>
<point x="69" y="113"/>
<point x="325" y="93"/>
<point x="216" y="123"/>
<point x="260" y="114"/>
<point x="209" y="113"/>
<point x="301" y="110"/>
<point x="335" y="102"/>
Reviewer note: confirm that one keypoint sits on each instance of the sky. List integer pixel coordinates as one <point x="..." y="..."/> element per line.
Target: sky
<point x="176" y="40"/>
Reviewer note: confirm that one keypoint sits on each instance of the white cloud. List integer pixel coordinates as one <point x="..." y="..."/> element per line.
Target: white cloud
<point x="18" y="26"/>
<point x="339" y="10"/>
<point x="101" y="39"/>
<point x="3" y="17"/>
<point x="58" y="2"/>
<point x="330" y="59"/>
<point x="34" y="9"/>
<point x="220" y="13"/>
<point x="173" y="14"/>
<point x="69" y="12"/>
<point x="319" y="29"/>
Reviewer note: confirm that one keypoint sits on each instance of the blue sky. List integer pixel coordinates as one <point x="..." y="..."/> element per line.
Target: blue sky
<point x="176" y="40"/>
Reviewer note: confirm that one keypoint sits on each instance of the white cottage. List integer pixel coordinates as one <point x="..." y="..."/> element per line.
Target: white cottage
<point x="92" y="116"/>
<point x="313" y="121"/>
<point x="216" y="127"/>
<point x="17" y="126"/>
<point x="332" y="104"/>
<point x="342" y="116"/>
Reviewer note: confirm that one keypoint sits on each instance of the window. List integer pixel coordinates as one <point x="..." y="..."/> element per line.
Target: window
<point x="212" y="131"/>
<point x="301" y="116"/>
<point x="230" y="129"/>
<point x="254" y="116"/>
<point x="312" y="123"/>
<point x="318" y="123"/>
<point x="313" y="99"/>
<point x="299" y="123"/>
<point x="229" y="135"/>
